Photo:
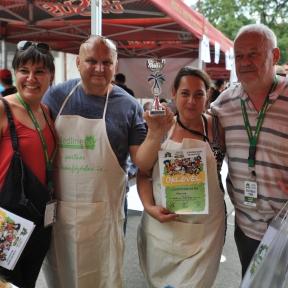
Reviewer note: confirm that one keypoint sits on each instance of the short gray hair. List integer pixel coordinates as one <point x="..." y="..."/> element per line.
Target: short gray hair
<point x="260" y="29"/>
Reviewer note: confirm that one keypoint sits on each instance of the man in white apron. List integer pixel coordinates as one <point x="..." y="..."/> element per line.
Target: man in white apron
<point x="98" y="125"/>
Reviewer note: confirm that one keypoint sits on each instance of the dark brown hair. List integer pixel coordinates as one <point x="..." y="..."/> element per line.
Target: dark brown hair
<point x="192" y="71"/>
<point x="35" y="56"/>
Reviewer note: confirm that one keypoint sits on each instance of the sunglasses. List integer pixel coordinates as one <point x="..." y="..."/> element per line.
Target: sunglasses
<point x="41" y="47"/>
<point x="110" y="43"/>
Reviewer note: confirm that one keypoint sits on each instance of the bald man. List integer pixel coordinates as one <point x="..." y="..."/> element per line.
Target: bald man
<point x="98" y="126"/>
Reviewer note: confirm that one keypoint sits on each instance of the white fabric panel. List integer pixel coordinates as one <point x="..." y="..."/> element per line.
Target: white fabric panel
<point x="137" y="75"/>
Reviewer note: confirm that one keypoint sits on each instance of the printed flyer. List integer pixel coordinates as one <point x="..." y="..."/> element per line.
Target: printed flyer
<point x="183" y="177"/>
<point x="14" y="234"/>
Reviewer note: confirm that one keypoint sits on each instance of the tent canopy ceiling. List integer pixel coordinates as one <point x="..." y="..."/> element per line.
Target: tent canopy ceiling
<point x="143" y="28"/>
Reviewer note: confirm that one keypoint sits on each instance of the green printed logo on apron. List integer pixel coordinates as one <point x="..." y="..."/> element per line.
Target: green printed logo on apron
<point x="88" y="143"/>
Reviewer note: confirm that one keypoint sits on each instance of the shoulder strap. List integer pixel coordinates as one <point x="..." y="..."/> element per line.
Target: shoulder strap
<point x="215" y="129"/>
<point x="11" y="125"/>
<point x="205" y="137"/>
<point x="206" y="126"/>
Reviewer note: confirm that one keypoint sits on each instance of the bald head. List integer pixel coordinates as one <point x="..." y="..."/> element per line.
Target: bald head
<point x="97" y="64"/>
<point x="95" y="39"/>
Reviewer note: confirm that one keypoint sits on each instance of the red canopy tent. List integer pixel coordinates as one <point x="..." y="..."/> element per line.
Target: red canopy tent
<point x="143" y="28"/>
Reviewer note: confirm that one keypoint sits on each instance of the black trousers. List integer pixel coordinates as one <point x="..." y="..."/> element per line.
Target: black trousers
<point x="246" y="247"/>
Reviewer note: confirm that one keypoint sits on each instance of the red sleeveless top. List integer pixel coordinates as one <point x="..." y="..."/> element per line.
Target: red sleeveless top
<point x="30" y="148"/>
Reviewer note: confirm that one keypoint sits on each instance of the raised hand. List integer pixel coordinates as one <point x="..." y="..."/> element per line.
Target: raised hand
<point x="159" y="124"/>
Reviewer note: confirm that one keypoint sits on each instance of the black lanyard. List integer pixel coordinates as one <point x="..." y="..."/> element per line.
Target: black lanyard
<point x="46" y="155"/>
<point x="253" y="139"/>
<point x="205" y="138"/>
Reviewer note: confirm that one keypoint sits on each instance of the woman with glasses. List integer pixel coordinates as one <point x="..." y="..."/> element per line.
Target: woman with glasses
<point x="27" y="148"/>
<point x="184" y="251"/>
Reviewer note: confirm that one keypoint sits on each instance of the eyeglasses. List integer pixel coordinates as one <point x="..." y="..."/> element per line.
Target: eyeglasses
<point x="41" y="47"/>
<point x="110" y="43"/>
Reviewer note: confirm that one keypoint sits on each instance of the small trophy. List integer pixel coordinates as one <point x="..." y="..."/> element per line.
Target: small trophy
<point x="155" y="66"/>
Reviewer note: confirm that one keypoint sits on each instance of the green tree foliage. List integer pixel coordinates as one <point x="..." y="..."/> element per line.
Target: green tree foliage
<point x="229" y="15"/>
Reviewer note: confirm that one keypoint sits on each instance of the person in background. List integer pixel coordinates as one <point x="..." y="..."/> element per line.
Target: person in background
<point x="6" y="82"/>
<point x="211" y="90"/>
<point x="98" y="125"/>
<point x="259" y="102"/>
<point x="285" y="66"/>
<point x="220" y="86"/>
<point x="120" y="80"/>
<point x="27" y="148"/>
<point x="172" y="106"/>
<point x="147" y="106"/>
<point x="280" y="71"/>
<point x="163" y="102"/>
<point x="207" y="103"/>
<point x="184" y="251"/>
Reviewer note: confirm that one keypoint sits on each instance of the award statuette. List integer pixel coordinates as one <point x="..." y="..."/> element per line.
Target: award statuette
<point x="155" y="65"/>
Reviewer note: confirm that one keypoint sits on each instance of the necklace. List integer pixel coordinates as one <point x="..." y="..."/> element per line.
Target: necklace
<point x="205" y="126"/>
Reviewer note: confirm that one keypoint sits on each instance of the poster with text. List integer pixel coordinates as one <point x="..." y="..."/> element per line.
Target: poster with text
<point x="183" y="178"/>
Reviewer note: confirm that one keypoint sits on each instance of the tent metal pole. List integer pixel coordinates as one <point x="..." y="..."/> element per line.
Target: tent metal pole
<point x="232" y="73"/>
<point x="200" y="55"/>
<point x="4" y="54"/>
<point x="65" y="65"/>
<point x="96" y="17"/>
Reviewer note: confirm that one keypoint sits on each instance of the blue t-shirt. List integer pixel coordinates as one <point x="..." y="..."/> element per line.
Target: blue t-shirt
<point x="124" y="123"/>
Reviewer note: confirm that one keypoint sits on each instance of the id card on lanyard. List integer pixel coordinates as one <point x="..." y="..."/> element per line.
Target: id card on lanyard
<point x="50" y="211"/>
<point x="250" y="186"/>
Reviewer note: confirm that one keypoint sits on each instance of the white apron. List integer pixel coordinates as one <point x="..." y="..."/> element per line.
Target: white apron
<point x="88" y="245"/>
<point x="184" y="253"/>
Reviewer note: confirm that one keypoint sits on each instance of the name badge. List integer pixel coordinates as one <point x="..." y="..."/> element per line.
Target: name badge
<point x="50" y="213"/>
<point x="250" y="193"/>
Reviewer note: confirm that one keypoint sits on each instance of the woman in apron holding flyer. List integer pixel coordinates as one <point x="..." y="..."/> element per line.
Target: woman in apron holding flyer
<point x="27" y="148"/>
<point x="184" y="250"/>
